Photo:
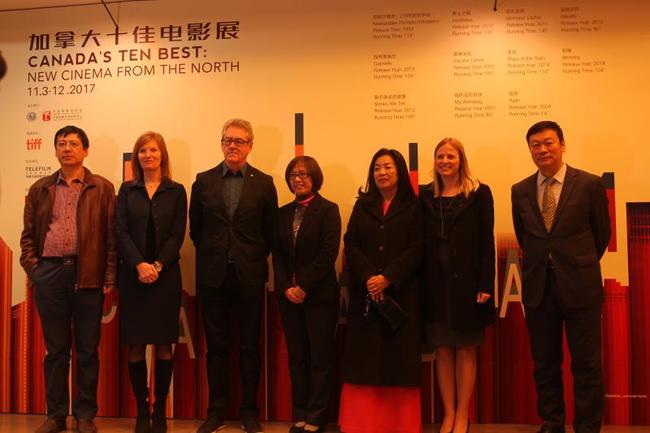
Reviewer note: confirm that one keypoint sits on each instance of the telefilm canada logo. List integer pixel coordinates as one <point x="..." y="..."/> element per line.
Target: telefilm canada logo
<point x="35" y="169"/>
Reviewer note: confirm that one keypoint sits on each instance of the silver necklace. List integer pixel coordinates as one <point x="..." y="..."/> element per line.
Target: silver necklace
<point x="443" y="214"/>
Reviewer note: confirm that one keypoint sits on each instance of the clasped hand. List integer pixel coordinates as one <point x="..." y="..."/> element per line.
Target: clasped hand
<point x="295" y="294"/>
<point x="147" y="273"/>
<point x="376" y="286"/>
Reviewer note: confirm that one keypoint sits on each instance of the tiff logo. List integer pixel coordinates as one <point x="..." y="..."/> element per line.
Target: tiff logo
<point x="34" y="143"/>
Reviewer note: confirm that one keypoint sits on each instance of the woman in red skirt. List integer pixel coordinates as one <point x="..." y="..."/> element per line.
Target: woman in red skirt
<point x="383" y="248"/>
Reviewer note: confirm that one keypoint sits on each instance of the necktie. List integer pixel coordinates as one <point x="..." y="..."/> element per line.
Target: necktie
<point x="549" y="206"/>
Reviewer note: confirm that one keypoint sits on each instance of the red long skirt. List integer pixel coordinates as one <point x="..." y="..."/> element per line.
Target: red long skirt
<point x="380" y="409"/>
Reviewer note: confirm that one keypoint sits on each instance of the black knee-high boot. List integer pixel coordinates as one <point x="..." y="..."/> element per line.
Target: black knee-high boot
<point x="138" y="375"/>
<point x="163" y="375"/>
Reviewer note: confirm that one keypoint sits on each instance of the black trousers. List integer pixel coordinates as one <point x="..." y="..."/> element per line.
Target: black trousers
<point x="216" y="305"/>
<point x="309" y="332"/>
<point x="60" y="306"/>
<point x="583" y="331"/>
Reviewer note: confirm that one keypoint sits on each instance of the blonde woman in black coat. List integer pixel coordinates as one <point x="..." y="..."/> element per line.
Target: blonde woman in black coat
<point x="459" y="269"/>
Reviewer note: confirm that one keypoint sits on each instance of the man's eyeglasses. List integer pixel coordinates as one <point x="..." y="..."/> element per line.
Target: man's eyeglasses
<point x="64" y="144"/>
<point x="300" y="174"/>
<point x="227" y="141"/>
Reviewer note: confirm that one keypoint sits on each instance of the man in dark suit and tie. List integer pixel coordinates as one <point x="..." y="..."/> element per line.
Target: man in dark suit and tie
<point x="561" y="221"/>
<point x="232" y="217"/>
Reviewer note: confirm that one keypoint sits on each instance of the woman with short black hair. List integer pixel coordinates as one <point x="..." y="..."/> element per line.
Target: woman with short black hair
<point x="305" y="250"/>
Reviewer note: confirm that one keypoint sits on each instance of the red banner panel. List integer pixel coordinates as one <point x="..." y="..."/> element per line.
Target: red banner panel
<point x="617" y="353"/>
<point x="185" y="365"/>
<point x="5" y="327"/>
<point x="20" y="388"/>
<point x="638" y="254"/>
<point x="517" y="398"/>
<point x="108" y="391"/>
<point x="487" y="378"/>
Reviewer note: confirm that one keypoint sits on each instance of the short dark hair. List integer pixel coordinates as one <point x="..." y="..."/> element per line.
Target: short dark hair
<point x="541" y="126"/>
<point x="67" y="130"/>
<point x="404" y="188"/>
<point x="312" y="167"/>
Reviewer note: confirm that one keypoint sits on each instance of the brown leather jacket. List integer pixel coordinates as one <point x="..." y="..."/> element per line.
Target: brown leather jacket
<point x="97" y="253"/>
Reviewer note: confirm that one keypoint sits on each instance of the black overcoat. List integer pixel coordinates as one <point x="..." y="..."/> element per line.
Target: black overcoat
<point x="169" y="208"/>
<point x="471" y="238"/>
<point x="149" y="312"/>
<point x="390" y="245"/>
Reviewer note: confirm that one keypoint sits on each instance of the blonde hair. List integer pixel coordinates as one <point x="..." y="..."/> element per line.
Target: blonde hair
<point x="145" y="138"/>
<point x="468" y="183"/>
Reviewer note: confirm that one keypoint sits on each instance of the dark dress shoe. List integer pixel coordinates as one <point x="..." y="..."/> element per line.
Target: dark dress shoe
<point x="143" y="423"/>
<point x="158" y="424"/>
<point x="551" y="429"/>
<point x="295" y="429"/>
<point x="251" y="425"/>
<point x="86" y="426"/>
<point x="212" y="424"/>
<point x="51" y="426"/>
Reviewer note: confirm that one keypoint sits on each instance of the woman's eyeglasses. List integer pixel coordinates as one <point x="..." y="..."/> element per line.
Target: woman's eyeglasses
<point x="298" y="174"/>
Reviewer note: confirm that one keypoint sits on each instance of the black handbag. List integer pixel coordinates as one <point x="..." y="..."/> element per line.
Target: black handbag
<point x="389" y="310"/>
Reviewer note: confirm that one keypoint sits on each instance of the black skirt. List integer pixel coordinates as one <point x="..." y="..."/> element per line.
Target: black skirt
<point x="149" y="313"/>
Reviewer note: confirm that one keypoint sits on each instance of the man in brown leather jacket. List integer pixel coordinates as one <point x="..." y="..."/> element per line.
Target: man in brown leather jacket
<point x="69" y="253"/>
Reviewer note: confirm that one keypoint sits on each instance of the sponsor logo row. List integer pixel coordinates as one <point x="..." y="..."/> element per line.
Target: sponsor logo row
<point x="62" y="114"/>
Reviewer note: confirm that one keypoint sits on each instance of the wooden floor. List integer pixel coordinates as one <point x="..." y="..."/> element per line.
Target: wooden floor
<point x="28" y="423"/>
